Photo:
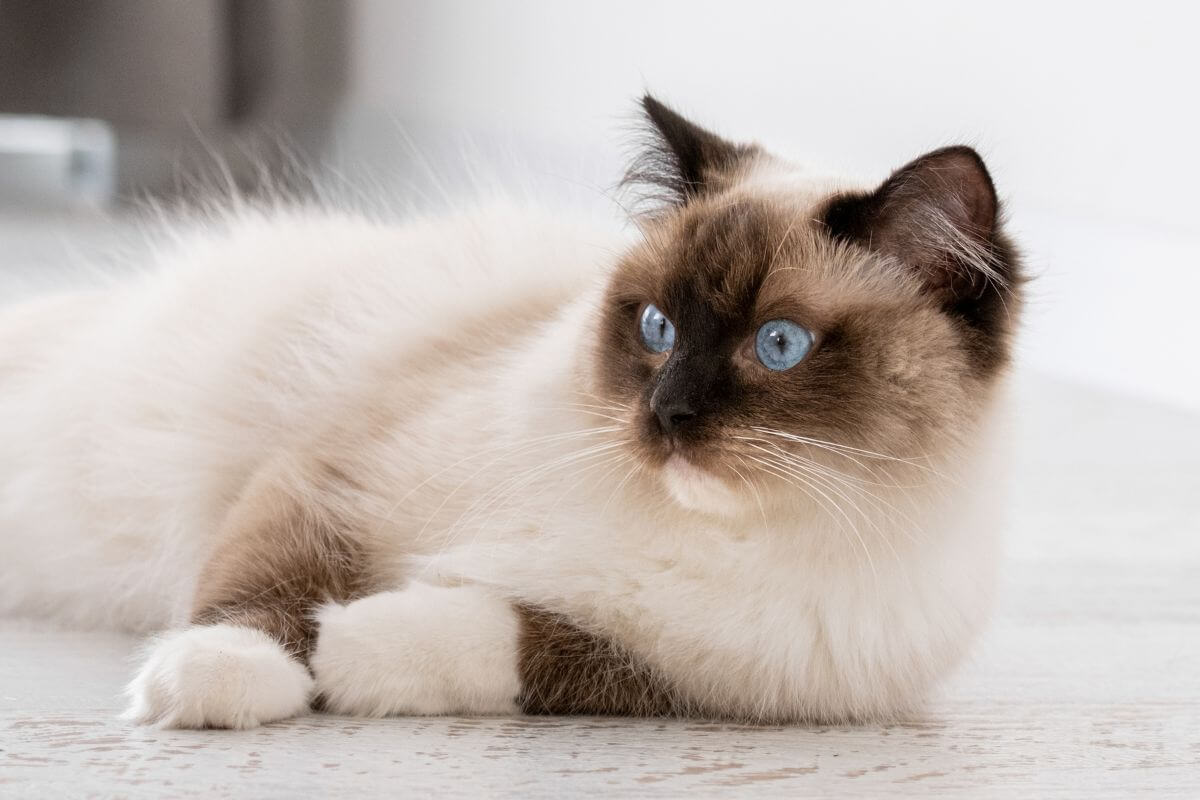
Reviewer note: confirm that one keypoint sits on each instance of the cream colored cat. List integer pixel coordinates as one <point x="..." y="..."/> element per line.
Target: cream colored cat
<point x="740" y="467"/>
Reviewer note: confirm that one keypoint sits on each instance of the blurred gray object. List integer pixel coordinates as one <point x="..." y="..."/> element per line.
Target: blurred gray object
<point x="182" y="84"/>
<point x="48" y="161"/>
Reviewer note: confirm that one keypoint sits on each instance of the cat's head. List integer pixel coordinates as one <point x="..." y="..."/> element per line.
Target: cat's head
<point x="769" y="330"/>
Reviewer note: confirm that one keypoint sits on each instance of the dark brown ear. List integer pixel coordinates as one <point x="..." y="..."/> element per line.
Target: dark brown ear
<point x="940" y="216"/>
<point x="680" y="160"/>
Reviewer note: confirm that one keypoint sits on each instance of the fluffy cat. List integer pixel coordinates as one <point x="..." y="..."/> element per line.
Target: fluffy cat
<point x="742" y="467"/>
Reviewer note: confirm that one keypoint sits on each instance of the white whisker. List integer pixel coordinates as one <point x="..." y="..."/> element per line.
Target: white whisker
<point x="783" y="471"/>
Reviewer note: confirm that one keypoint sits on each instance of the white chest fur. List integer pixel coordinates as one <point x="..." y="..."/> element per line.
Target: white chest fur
<point x="755" y="618"/>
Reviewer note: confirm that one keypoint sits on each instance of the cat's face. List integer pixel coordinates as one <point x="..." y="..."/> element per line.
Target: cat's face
<point x="768" y="342"/>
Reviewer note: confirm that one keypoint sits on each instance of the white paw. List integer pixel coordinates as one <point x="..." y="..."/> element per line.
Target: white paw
<point x="422" y="650"/>
<point x="218" y="676"/>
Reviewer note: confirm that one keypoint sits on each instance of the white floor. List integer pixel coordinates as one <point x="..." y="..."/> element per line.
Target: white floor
<point x="1087" y="686"/>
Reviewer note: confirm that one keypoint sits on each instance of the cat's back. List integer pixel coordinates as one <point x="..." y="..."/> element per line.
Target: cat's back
<point x="277" y="307"/>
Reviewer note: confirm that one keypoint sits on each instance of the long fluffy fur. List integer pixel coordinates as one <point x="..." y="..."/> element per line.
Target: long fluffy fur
<point x="449" y="367"/>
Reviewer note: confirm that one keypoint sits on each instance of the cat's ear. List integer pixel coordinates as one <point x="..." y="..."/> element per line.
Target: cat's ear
<point x="939" y="215"/>
<point x="679" y="160"/>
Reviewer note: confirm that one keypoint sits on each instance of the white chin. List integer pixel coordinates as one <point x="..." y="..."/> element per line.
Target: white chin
<point x="698" y="490"/>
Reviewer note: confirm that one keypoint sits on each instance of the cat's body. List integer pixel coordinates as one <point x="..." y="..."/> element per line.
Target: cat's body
<point x="427" y="438"/>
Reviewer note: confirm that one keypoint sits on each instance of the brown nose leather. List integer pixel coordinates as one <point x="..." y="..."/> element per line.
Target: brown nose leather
<point x="673" y="415"/>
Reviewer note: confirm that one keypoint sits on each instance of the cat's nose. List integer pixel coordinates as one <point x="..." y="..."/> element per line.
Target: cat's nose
<point x="673" y="415"/>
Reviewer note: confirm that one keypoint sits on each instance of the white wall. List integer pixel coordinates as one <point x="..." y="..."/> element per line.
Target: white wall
<point x="1086" y="113"/>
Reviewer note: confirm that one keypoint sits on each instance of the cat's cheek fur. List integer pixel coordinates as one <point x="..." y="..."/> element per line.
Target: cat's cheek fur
<point x="217" y="676"/>
<point x="421" y="650"/>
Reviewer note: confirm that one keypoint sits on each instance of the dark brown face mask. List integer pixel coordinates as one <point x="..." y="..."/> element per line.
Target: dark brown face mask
<point x="904" y="298"/>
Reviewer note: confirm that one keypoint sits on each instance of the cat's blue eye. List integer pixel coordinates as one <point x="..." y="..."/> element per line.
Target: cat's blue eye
<point x="658" y="334"/>
<point x="782" y="344"/>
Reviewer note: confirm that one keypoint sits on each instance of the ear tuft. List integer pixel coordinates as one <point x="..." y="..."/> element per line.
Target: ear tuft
<point x="939" y="215"/>
<point x="679" y="160"/>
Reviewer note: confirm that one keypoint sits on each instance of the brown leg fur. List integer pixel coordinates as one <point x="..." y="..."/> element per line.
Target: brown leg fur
<point x="275" y="563"/>
<point x="566" y="670"/>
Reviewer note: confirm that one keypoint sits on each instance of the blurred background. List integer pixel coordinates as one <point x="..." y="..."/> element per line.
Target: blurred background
<point x="1086" y="114"/>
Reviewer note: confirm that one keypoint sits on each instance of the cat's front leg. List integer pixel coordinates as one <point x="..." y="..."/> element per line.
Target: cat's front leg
<point x="466" y="650"/>
<point x="241" y="662"/>
<point x="218" y="676"/>
<point x="423" y="649"/>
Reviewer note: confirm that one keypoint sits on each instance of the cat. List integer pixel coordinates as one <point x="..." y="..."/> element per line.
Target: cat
<point x="745" y="466"/>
